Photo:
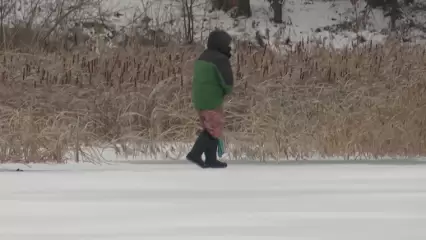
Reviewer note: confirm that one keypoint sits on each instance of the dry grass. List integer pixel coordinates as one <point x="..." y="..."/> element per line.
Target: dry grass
<point x="364" y="102"/>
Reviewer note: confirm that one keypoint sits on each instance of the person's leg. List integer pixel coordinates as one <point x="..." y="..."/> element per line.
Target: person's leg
<point x="202" y="143"/>
<point x="214" y="128"/>
<point x="211" y="154"/>
<point x="199" y="147"/>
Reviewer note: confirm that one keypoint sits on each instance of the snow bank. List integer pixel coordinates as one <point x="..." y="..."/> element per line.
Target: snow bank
<point x="169" y="151"/>
<point x="317" y="21"/>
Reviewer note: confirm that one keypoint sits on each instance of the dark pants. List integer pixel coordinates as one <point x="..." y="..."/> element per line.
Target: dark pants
<point x="212" y="122"/>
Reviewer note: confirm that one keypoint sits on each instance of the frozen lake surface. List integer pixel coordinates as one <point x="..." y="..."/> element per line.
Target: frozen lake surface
<point x="180" y="201"/>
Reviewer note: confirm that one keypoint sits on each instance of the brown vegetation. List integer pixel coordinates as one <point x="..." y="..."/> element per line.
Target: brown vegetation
<point x="366" y="102"/>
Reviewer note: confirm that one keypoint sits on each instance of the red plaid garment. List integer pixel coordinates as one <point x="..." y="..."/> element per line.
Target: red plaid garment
<point x="213" y="121"/>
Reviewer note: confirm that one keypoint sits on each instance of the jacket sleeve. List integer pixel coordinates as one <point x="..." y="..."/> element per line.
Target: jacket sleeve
<point x="225" y="75"/>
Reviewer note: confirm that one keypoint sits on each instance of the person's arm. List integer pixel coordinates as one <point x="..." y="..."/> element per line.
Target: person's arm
<point x="225" y="75"/>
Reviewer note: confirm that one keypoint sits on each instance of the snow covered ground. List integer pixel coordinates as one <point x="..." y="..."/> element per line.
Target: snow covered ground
<point x="176" y="151"/>
<point x="180" y="201"/>
<point x="302" y="20"/>
<point x="324" y="21"/>
<point x="330" y="22"/>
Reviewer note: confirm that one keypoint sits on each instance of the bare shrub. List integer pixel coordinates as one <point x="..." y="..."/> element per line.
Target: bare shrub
<point x="188" y="19"/>
<point x="363" y="102"/>
<point x="45" y="23"/>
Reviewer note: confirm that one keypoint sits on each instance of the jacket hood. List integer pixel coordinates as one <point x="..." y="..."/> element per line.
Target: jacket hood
<point x="220" y="41"/>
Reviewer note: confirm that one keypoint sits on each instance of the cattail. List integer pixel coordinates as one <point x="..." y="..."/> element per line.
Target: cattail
<point x="181" y="79"/>
<point x="78" y="82"/>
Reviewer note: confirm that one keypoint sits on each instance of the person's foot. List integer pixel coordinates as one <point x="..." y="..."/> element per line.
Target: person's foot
<point x="211" y="155"/>
<point x="200" y="145"/>
<point x="216" y="164"/>
<point x="198" y="161"/>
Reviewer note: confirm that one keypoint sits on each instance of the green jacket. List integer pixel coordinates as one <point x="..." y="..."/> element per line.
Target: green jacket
<point x="212" y="81"/>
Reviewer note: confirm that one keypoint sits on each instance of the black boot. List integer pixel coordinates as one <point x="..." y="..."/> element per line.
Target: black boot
<point x="200" y="146"/>
<point x="211" y="155"/>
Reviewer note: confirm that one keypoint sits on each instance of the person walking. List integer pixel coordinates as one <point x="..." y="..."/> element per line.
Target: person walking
<point x="212" y="81"/>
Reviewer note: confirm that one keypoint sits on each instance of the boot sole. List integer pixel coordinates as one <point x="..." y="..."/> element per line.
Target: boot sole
<point x="199" y="164"/>
<point x="215" y="166"/>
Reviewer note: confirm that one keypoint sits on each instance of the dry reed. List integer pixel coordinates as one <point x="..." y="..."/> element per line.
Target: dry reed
<point x="368" y="101"/>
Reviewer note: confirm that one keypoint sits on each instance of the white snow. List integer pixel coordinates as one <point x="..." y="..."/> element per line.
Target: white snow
<point x="301" y="19"/>
<point x="176" y="151"/>
<point x="180" y="201"/>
